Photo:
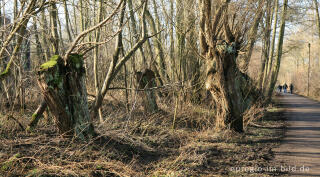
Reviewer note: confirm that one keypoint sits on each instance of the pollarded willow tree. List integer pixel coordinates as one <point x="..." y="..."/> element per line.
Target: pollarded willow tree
<point x="62" y="80"/>
<point x="226" y="29"/>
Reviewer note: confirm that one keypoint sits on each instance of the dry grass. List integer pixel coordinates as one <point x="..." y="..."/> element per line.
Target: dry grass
<point x="139" y="144"/>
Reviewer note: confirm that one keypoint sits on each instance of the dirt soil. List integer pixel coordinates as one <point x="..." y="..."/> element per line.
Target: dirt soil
<point x="299" y="152"/>
<point x="142" y="146"/>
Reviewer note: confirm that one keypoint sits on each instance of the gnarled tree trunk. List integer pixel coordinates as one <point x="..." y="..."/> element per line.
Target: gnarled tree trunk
<point x="229" y="87"/>
<point x="232" y="91"/>
<point x="64" y="90"/>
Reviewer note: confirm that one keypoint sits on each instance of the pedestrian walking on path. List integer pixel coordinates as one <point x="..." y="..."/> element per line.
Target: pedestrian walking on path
<point x="280" y="88"/>
<point x="285" y="87"/>
<point x="291" y="88"/>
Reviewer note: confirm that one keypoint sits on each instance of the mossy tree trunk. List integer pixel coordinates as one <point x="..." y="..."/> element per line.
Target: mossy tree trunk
<point x="63" y="86"/>
<point x="146" y="80"/>
<point x="37" y="115"/>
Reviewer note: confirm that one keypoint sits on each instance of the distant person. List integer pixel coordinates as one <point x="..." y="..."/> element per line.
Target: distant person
<point x="280" y="88"/>
<point x="285" y="87"/>
<point x="291" y="88"/>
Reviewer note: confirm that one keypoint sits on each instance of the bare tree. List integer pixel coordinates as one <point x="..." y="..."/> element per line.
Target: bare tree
<point x="62" y="82"/>
<point x="96" y="55"/>
<point x="252" y="36"/>
<point x="276" y="67"/>
<point x="19" y="27"/>
<point x="270" y="59"/>
<point x="266" y="42"/>
<point x="118" y="62"/>
<point x="316" y="5"/>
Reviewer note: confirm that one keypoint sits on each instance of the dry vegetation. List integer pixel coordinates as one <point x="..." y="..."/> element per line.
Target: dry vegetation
<point x="119" y="41"/>
<point x="140" y="144"/>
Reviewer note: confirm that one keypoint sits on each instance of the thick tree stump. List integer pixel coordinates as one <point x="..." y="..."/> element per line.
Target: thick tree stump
<point x="146" y="80"/>
<point x="64" y="90"/>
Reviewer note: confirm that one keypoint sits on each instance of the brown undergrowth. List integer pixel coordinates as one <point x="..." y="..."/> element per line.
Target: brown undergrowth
<point x="139" y="144"/>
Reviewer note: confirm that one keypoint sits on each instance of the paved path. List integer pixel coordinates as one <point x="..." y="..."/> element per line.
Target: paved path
<point x="300" y="147"/>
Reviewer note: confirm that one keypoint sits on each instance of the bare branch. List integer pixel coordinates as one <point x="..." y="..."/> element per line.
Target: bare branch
<point x="84" y="33"/>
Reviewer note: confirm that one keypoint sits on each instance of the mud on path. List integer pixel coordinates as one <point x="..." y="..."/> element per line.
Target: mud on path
<point x="299" y="152"/>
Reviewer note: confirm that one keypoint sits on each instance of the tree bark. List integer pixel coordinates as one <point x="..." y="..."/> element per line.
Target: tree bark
<point x="44" y="34"/>
<point x="266" y="44"/>
<point x="146" y="80"/>
<point x="60" y="37"/>
<point x="66" y="13"/>
<point x="75" y="19"/>
<point x="96" y="55"/>
<point x="158" y="46"/>
<point x="16" y="49"/>
<point x="172" y="50"/>
<point x="318" y="20"/>
<point x="36" y="116"/>
<point x="276" y="67"/>
<point x="39" y="48"/>
<point x="18" y="28"/>
<point x="252" y="36"/>
<point x="193" y="64"/>
<point x="135" y="32"/>
<point x="54" y="28"/>
<point x="116" y="65"/>
<point x="181" y="41"/>
<point x="64" y="90"/>
<point x="232" y="91"/>
<point x="270" y="60"/>
<point x="82" y="22"/>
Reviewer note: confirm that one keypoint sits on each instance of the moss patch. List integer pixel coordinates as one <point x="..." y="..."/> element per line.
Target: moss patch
<point x="6" y="71"/>
<point x="10" y="162"/>
<point x="34" y="116"/>
<point x="55" y="78"/>
<point x="51" y="63"/>
<point x="76" y="60"/>
<point x="34" y="121"/>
